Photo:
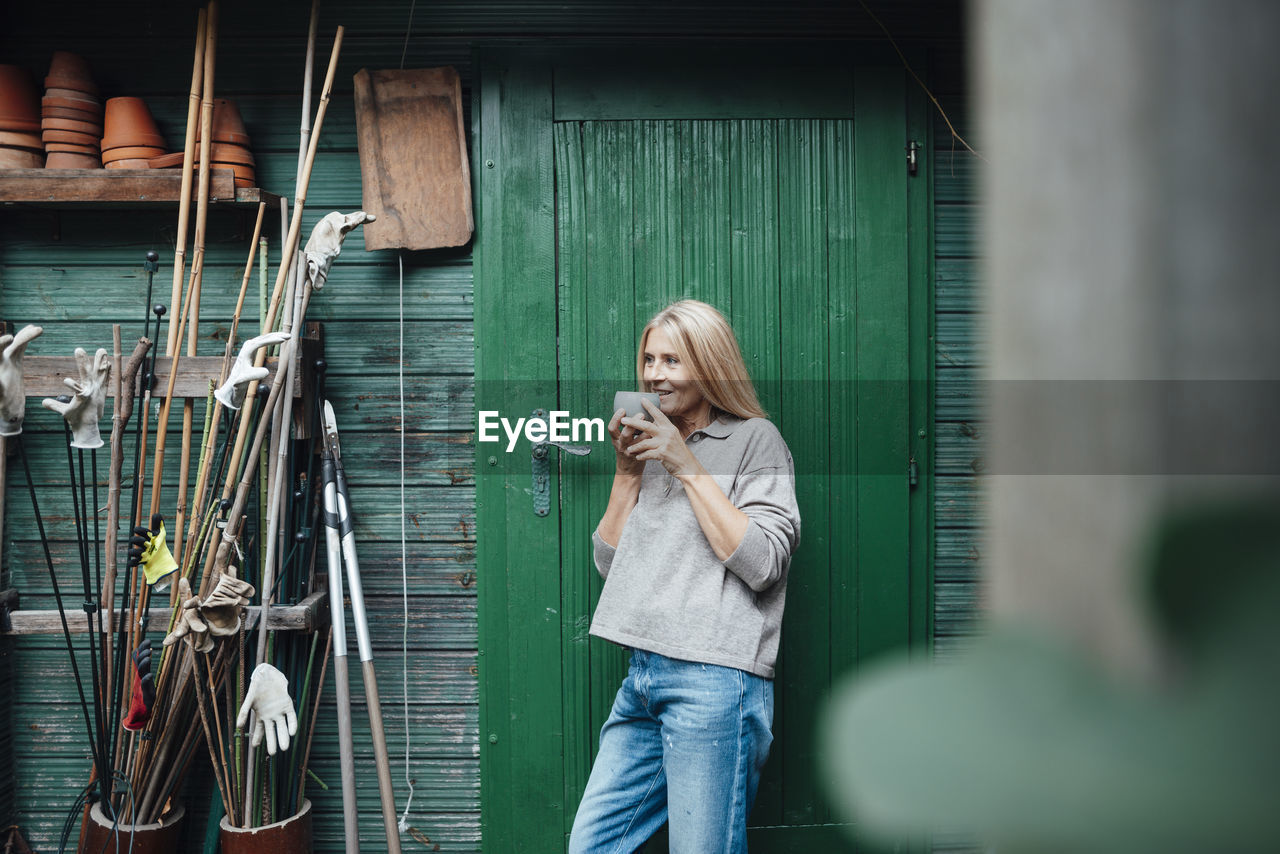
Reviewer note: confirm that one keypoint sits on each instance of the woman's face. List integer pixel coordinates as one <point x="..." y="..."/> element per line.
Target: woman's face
<point x="665" y="373"/>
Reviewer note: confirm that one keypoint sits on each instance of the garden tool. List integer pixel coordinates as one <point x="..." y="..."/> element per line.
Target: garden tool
<point x="333" y="543"/>
<point x="222" y="607"/>
<point x="189" y="626"/>
<point x="13" y="396"/>
<point x="231" y="393"/>
<point x="149" y="549"/>
<point x="325" y="243"/>
<point x="84" y="410"/>
<point x="356" y="592"/>
<point x="144" y="689"/>
<point x="268" y="697"/>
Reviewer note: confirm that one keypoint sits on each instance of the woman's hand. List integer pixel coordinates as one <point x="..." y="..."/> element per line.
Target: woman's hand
<point x="623" y="438"/>
<point x="662" y="442"/>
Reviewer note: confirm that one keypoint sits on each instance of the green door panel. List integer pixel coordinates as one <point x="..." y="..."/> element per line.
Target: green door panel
<point x="800" y="229"/>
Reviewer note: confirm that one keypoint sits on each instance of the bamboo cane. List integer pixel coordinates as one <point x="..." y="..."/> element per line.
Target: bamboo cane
<point x="202" y="477"/>
<point x="188" y="158"/>
<point x="197" y="277"/>
<point x="219" y="557"/>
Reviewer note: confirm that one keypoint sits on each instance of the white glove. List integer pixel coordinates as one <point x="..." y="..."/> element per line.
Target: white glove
<point x="13" y="396"/>
<point x="231" y="393"/>
<point x="268" y="695"/>
<point x="84" y="410"/>
<point x="325" y="243"/>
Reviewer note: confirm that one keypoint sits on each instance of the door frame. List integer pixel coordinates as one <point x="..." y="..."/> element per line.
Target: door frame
<point x="518" y="554"/>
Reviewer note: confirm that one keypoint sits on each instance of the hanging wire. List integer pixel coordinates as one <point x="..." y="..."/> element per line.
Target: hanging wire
<point x="404" y="565"/>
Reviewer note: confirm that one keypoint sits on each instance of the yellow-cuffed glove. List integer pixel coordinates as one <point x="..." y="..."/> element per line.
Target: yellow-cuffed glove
<point x="149" y="549"/>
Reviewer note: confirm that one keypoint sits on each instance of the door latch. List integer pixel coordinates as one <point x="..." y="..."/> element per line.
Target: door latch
<point x="540" y="464"/>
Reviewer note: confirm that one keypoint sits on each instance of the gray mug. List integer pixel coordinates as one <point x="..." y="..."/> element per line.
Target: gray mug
<point x="630" y="401"/>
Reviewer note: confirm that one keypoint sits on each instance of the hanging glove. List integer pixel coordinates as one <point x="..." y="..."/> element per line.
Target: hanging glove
<point x="189" y="626"/>
<point x="325" y="243"/>
<point x="222" y="608"/>
<point x="149" y="548"/>
<point x="84" y="410"/>
<point x="13" y="395"/>
<point x="144" y="689"/>
<point x="268" y="696"/>
<point x="231" y="393"/>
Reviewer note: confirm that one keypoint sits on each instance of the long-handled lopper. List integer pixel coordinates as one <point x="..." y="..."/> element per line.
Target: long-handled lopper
<point x="360" y="617"/>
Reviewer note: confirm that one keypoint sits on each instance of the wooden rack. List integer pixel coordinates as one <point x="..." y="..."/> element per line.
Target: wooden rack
<point x="71" y="188"/>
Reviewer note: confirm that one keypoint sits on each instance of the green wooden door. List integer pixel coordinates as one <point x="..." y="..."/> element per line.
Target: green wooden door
<point x="782" y="196"/>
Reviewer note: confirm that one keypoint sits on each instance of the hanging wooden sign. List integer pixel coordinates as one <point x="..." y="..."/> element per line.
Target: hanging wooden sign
<point x="413" y="158"/>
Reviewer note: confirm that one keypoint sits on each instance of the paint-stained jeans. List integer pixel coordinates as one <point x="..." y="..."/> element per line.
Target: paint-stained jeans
<point x="685" y="743"/>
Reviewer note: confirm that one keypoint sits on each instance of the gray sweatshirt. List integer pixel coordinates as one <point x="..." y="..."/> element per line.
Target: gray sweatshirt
<point x="665" y="591"/>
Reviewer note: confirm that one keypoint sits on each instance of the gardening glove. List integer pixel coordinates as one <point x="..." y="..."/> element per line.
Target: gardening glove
<point x="325" y="243"/>
<point x="268" y="696"/>
<point x="231" y="393"/>
<point x="149" y="548"/>
<point x="84" y="410"/>
<point x="189" y="626"/>
<point x="13" y="396"/>
<point x="222" y="608"/>
<point x="144" y="689"/>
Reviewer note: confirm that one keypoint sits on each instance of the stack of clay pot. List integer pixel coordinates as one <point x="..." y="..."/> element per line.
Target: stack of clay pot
<point x="71" y="123"/>
<point x="132" y="139"/>
<point x="230" y="147"/>
<point x="20" y="143"/>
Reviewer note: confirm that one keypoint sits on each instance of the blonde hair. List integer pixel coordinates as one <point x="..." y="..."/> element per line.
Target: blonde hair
<point x="705" y="342"/>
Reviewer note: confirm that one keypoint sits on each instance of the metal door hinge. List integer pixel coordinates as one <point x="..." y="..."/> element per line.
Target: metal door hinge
<point x="913" y="163"/>
<point x="913" y="473"/>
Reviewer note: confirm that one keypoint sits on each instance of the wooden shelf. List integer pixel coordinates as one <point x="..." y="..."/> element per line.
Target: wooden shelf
<point x="84" y="188"/>
<point x="306" y="616"/>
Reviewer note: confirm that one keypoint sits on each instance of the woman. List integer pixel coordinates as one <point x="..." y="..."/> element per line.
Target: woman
<point x="694" y="548"/>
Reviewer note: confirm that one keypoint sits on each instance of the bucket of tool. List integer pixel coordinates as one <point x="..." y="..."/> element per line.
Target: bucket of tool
<point x="101" y="836"/>
<point x="291" y="836"/>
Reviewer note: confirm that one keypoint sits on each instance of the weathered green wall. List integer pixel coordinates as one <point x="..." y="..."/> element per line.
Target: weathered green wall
<point x="76" y="272"/>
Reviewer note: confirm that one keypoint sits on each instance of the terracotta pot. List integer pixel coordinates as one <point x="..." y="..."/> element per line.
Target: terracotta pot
<point x="128" y="163"/>
<point x="227" y="124"/>
<point x="17" y="139"/>
<point x="244" y="184"/>
<point x="132" y="152"/>
<point x="67" y="160"/>
<point x="167" y="161"/>
<point x="19" y="100"/>
<point x="69" y="113"/>
<point x="69" y="136"/>
<point x="99" y="837"/>
<point x="77" y="125"/>
<point x="72" y="104"/>
<point x="69" y="71"/>
<point x="74" y="148"/>
<point x="127" y="121"/>
<point x="78" y="94"/>
<point x="284" y="837"/>
<point x="20" y="158"/>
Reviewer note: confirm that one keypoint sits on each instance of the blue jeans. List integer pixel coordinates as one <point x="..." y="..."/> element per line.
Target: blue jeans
<point x="685" y="743"/>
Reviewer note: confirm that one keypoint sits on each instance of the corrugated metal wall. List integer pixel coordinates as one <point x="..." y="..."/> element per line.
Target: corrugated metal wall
<point x="76" y="272"/>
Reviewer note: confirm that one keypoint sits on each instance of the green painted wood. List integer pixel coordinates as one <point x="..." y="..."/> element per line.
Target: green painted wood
<point x="576" y="508"/>
<point x="657" y="90"/>
<point x="612" y="320"/>
<point x="922" y="322"/>
<point x="804" y="150"/>
<point x="519" y="587"/>
<point x="882" y="358"/>
<point x="681" y="201"/>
